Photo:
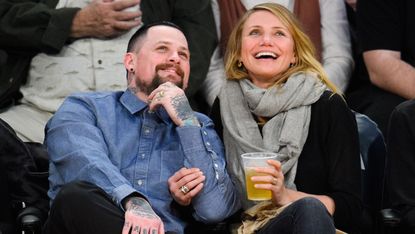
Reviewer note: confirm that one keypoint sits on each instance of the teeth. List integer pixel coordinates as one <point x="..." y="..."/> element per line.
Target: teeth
<point x="271" y="54"/>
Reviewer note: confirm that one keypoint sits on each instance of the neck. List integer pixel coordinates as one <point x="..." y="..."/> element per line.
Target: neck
<point x="139" y="94"/>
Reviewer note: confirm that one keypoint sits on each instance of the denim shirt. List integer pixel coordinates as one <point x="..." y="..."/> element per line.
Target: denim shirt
<point x="111" y="140"/>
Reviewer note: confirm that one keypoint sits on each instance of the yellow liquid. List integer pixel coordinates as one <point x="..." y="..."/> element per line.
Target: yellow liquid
<point x="253" y="193"/>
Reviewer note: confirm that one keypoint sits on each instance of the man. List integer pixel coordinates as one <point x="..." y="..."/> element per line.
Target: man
<point x="143" y="150"/>
<point x="401" y="163"/>
<point x="386" y="31"/>
<point x="76" y="46"/>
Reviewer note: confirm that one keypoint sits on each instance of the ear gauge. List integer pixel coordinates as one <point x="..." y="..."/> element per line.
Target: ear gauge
<point x="132" y="70"/>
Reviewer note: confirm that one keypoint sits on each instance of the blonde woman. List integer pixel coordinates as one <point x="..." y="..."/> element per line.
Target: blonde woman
<point x="278" y="98"/>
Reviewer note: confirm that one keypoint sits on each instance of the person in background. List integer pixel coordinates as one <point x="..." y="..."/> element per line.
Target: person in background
<point x="401" y="163"/>
<point x="124" y="161"/>
<point x="277" y="98"/>
<point x="386" y="33"/>
<point x="75" y="47"/>
<point x="325" y="22"/>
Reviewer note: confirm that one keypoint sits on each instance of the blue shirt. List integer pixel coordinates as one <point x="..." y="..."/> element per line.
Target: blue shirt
<point x="111" y="140"/>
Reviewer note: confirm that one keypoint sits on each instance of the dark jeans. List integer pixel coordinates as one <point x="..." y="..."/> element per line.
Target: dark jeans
<point x="307" y="215"/>
<point x="82" y="207"/>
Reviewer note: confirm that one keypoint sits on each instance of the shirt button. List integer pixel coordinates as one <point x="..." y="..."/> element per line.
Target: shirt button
<point x="139" y="182"/>
<point x="147" y="131"/>
<point x="216" y="165"/>
<point x="217" y="176"/>
<point x="143" y="155"/>
<point x="205" y="133"/>
<point x="99" y="61"/>
<point x="207" y="143"/>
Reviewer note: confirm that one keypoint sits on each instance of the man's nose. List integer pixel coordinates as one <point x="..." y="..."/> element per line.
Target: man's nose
<point x="174" y="57"/>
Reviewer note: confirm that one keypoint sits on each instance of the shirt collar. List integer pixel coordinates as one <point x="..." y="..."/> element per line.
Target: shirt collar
<point x="133" y="104"/>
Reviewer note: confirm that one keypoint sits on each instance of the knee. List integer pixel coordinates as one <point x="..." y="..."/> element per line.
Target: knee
<point x="310" y="206"/>
<point x="72" y="193"/>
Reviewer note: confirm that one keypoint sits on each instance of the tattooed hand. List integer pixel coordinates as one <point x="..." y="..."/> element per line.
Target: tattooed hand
<point x="192" y="178"/>
<point x="140" y="218"/>
<point x="173" y="99"/>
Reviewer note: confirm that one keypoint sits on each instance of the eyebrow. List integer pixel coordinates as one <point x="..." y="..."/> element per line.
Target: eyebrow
<point x="169" y="43"/>
<point x="259" y="26"/>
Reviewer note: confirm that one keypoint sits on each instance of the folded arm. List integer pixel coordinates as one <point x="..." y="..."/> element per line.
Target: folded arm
<point x="389" y="72"/>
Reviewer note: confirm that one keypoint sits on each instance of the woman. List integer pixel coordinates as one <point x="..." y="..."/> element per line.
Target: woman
<point x="278" y="98"/>
<point x="324" y="21"/>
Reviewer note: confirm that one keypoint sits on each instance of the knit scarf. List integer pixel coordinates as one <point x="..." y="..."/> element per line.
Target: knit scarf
<point x="289" y="108"/>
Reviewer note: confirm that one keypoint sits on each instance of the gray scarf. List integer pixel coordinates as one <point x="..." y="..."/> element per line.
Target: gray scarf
<point x="289" y="108"/>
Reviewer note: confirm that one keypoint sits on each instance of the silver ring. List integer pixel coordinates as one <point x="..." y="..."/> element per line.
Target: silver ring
<point x="184" y="189"/>
<point x="161" y="94"/>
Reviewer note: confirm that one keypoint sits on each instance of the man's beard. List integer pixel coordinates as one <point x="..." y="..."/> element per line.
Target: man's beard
<point x="158" y="80"/>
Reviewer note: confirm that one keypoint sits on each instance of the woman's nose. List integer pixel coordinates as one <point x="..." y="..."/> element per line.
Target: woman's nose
<point x="265" y="40"/>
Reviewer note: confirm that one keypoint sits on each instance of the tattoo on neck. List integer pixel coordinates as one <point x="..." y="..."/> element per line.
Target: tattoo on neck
<point x="134" y="90"/>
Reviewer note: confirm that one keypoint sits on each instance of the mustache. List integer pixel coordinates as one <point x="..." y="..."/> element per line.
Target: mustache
<point x="164" y="66"/>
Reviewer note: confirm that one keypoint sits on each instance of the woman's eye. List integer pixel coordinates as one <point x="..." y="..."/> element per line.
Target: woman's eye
<point x="254" y="32"/>
<point x="280" y="33"/>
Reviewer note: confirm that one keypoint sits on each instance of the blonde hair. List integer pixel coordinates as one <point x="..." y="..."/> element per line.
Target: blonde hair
<point x="303" y="47"/>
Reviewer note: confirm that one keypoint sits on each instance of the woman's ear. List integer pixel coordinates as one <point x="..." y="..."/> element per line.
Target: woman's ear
<point x="293" y="60"/>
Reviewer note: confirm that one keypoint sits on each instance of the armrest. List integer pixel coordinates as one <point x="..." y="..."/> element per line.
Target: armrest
<point x="30" y="220"/>
<point x="390" y="217"/>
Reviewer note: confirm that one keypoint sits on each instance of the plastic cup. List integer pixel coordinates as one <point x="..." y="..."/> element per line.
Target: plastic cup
<point x="250" y="162"/>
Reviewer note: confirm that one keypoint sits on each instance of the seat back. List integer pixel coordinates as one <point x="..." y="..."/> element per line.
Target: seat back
<point x="373" y="162"/>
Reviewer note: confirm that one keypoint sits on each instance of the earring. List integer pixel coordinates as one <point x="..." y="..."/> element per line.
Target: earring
<point x="132" y="70"/>
<point x="291" y="64"/>
<point x="240" y="64"/>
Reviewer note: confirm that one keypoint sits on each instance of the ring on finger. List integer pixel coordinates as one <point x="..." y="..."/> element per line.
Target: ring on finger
<point x="161" y="94"/>
<point x="184" y="189"/>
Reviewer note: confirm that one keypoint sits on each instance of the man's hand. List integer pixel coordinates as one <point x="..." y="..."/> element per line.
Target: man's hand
<point x="140" y="218"/>
<point x="105" y="19"/>
<point x="192" y="180"/>
<point x="173" y="99"/>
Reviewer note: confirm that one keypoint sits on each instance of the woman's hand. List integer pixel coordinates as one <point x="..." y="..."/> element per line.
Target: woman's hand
<point x="273" y="180"/>
<point x="185" y="184"/>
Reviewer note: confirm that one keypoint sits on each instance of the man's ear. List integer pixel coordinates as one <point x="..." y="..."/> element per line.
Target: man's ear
<point x="129" y="61"/>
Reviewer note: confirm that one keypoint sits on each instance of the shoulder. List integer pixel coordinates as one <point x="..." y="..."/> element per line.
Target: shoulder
<point x="330" y="98"/>
<point x="95" y="95"/>
<point x="406" y="106"/>
<point x="331" y="106"/>
<point x="92" y="98"/>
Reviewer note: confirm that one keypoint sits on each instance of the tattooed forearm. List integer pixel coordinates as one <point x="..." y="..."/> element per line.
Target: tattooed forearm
<point x="140" y="206"/>
<point x="184" y="111"/>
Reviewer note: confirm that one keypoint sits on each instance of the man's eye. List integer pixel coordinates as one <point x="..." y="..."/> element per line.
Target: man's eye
<point x="162" y="48"/>
<point x="184" y="55"/>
